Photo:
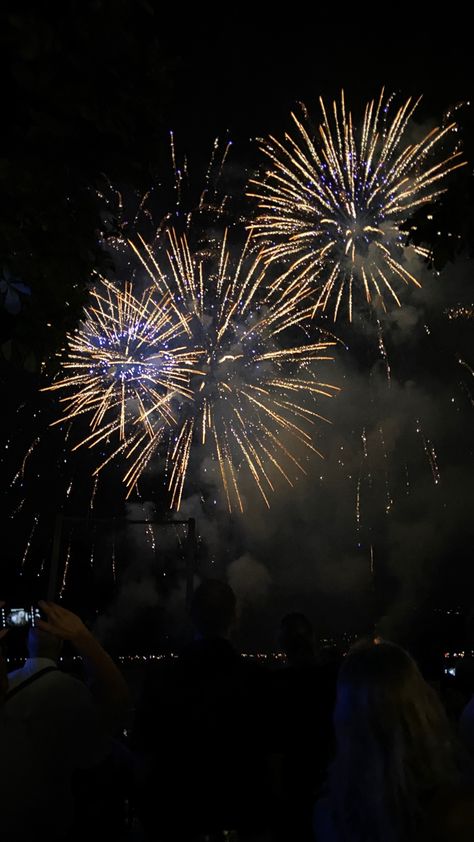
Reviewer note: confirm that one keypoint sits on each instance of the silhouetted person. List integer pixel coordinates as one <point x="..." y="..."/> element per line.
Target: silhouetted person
<point x="43" y="654"/>
<point x="25" y="808"/>
<point x="213" y="610"/>
<point x="69" y="724"/>
<point x="25" y="805"/>
<point x="397" y="775"/>
<point x="297" y="640"/>
<point x="300" y="704"/>
<point x="198" y="732"/>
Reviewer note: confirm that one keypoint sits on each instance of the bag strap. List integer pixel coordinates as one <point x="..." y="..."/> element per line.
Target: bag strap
<point x="28" y="681"/>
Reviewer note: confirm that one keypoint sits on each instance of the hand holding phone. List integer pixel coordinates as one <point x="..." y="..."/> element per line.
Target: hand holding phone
<point x="17" y="618"/>
<point x="62" y="623"/>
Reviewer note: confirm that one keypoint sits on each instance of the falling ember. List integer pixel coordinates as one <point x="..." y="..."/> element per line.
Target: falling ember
<point x="364" y="442"/>
<point x="407" y="479"/>
<point x="388" y="494"/>
<point x="460" y="311"/>
<point x="468" y="393"/>
<point x="176" y="171"/>
<point x="94" y="492"/>
<point x="21" y="472"/>
<point x="18" y="508"/>
<point x="30" y="538"/>
<point x="358" y="505"/>
<point x="433" y="460"/>
<point x="151" y="535"/>
<point x="334" y="204"/>
<point x="430" y="454"/>
<point x="254" y="398"/>
<point x="383" y="351"/>
<point x="66" y="568"/>
<point x="466" y="365"/>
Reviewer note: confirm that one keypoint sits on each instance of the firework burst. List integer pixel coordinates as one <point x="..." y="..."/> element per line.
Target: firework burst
<point x="333" y="206"/>
<point x="125" y="365"/>
<point x="253" y="401"/>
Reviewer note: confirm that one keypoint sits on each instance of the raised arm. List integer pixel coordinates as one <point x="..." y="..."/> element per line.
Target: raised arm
<point x="107" y="683"/>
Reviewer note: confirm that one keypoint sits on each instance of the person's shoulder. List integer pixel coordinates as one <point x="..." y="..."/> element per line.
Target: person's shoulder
<point x="60" y="685"/>
<point x="14" y="674"/>
<point x="16" y="677"/>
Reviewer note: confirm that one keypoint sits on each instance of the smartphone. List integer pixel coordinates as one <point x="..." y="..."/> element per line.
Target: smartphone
<point x="17" y="618"/>
<point x="450" y="671"/>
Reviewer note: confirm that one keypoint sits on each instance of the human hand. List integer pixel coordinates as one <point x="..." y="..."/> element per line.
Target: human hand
<point x="62" y="623"/>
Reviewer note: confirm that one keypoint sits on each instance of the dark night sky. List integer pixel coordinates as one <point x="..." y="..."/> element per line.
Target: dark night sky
<point x="247" y="79"/>
<point x="306" y="553"/>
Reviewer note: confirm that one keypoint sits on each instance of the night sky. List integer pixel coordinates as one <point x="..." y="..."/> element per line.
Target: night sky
<point x="379" y="529"/>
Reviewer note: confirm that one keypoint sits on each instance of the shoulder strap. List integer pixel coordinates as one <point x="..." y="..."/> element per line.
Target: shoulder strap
<point x="28" y="681"/>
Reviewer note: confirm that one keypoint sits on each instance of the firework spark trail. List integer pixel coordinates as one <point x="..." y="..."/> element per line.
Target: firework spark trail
<point x="28" y="543"/>
<point x="209" y="198"/>
<point x="20" y="474"/>
<point x="433" y="460"/>
<point x="466" y="365"/>
<point x="65" y="572"/>
<point x="470" y="397"/>
<point x="94" y="492"/>
<point x="383" y="351"/>
<point x="253" y="391"/>
<point x="178" y="176"/>
<point x="407" y="480"/>
<point x="18" y="508"/>
<point x="151" y="534"/>
<point x="178" y="537"/>
<point x="125" y="363"/>
<point x="388" y="493"/>
<point x="363" y="436"/>
<point x="364" y="442"/>
<point x="430" y="453"/>
<point x="358" y="505"/>
<point x="333" y="206"/>
<point x="362" y="466"/>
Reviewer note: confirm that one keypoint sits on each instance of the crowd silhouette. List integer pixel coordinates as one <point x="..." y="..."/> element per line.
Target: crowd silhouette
<point x="355" y="747"/>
